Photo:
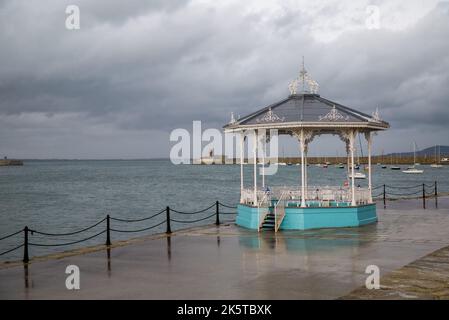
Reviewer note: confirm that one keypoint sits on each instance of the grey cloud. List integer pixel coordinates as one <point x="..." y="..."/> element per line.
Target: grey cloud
<point x="158" y="65"/>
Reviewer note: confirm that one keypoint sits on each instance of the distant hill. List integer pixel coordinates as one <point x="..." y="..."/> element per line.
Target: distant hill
<point x="429" y="152"/>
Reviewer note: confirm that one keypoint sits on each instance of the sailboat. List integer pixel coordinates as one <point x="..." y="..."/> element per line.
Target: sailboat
<point x="283" y="159"/>
<point x="357" y="175"/>
<point x="279" y="164"/>
<point x="412" y="169"/>
<point x="356" y="164"/>
<point x="437" y="163"/>
<point x="336" y="164"/>
<point x="383" y="166"/>
<point x="326" y="163"/>
<point x="392" y="166"/>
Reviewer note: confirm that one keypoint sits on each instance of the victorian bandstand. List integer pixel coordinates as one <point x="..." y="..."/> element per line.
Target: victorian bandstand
<point x="304" y="114"/>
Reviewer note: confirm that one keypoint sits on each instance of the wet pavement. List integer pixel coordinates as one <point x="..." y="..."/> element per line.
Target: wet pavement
<point x="426" y="278"/>
<point x="229" y="262"/>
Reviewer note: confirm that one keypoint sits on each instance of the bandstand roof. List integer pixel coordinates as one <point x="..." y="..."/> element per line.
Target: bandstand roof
<point x="307" y="110"/>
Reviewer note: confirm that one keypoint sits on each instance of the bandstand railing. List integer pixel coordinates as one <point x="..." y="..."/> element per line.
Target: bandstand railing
<point x="247" y="197"/>
<point x="316" y="195"/>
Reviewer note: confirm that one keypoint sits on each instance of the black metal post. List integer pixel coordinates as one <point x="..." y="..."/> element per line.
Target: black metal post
<point x="423" y="196"/>
<point x="436" y="195"/>
<point x="217" y="213"/>
<point x="108" y="230"/>
<point x="168" y="220"/>
<point x="26" y="259"/>
<point x="385" y="198"/>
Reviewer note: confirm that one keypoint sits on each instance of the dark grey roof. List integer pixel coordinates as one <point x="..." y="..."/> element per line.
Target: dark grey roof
<point x="306" y="108"/>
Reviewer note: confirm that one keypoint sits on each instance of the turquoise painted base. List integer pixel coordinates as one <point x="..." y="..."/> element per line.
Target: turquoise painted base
<point x="248" y="217"/>
<point x="311" y="217"/>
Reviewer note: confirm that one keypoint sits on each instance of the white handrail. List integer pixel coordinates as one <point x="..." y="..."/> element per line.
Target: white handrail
<point x="259" y="203"/>
<point x="280" y="200"/>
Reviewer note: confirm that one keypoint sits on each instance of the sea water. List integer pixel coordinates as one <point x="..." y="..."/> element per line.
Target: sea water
<point x="64" y="196"/>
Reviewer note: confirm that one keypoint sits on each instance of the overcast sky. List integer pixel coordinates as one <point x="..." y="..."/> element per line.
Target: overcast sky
<point x="137" y="69"/>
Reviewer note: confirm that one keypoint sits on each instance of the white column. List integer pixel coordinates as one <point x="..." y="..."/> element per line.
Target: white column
<point x="348" y="163"/>
<point x="351" y="147"/>
<point x="263" y="160"/>
<point x="306" y="183"/>
<point x="303" y="190"/>
<point x="369" y="138"/>
<point x="242" y="159"/>
<point x="255" y="167"/>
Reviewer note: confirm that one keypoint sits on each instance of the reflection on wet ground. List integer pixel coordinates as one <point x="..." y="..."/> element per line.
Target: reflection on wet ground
<point x="229" y="262"/>
<point x="425" y="278"/>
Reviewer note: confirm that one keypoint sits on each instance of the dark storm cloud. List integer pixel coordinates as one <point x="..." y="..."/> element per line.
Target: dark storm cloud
<point x="141" y="66"/>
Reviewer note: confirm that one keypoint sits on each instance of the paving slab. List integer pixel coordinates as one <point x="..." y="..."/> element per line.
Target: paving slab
<point x="228" y="262"/>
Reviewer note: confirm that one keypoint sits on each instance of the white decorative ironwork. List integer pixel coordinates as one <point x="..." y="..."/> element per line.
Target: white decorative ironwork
<point x="304" y="83"/>
<point x="333" y="115"/>
<point x="308" y="135"/>
<point x="345" y="136"/>
<point x="376" y="116"/>
<point x="270" y="116"/>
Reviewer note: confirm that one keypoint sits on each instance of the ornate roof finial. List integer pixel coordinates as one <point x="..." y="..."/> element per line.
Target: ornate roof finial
<point x="303" y="80"/>
<point x="375" y="115"/>
<point x="232" y="119"/>
<point x="303" y="73"/>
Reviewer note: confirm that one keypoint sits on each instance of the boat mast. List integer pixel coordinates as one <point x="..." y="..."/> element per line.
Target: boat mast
<point x="414" y="153"/>
<point x="361" y="150"/>
<point x="439" y="154"/>
<point x="436" y="161"/>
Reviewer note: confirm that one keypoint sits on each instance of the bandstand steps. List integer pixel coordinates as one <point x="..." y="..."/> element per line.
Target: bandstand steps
<point x="268" y="223"/>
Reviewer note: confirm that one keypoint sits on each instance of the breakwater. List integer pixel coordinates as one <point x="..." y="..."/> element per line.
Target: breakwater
<point x="11" y="162"/>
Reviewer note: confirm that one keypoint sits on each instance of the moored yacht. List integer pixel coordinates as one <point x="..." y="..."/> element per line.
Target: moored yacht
<point x="412" y="169"/>
<point x="357" y="175"/>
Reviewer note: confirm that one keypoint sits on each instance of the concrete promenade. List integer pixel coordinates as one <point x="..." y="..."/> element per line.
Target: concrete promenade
<point x="233" y="263"/>
<point x="425" y="278"/>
